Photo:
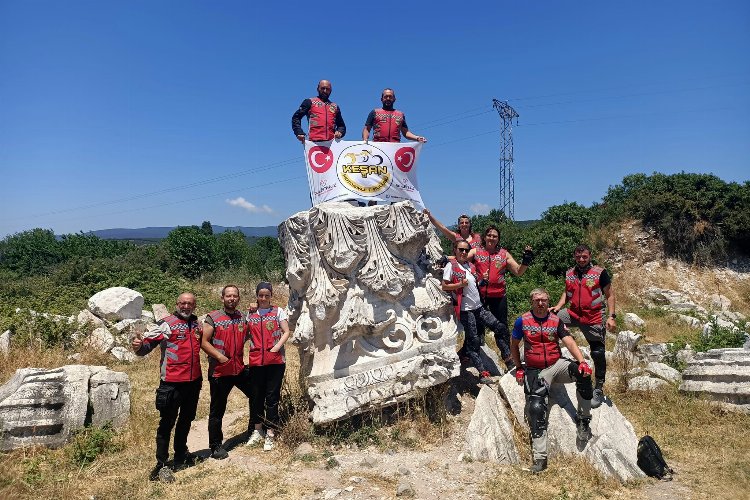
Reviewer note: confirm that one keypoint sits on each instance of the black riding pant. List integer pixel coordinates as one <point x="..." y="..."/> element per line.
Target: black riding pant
<point x="177" y="403"/>
<point x="220" y="389"/>
<point x="265" y="392"/>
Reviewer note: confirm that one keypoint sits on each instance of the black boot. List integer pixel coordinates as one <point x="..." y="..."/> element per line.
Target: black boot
<point x="583" y="431"/>
<point x="219" y="453"/>
<point x="154" y="474"/>
<point x="598" y="398"/>
<point x="184" y="461"/>
<point x="539" y="465"/>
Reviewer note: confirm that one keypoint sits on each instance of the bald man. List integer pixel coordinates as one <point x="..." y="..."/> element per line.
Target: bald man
<point x="179" y="337"/>
<point x="388" y="122"/>
<point x="323" y="116"/>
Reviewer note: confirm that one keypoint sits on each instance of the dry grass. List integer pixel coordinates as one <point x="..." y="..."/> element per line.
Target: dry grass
<point x="707" y="445"/>
<point x="565" y="478"/>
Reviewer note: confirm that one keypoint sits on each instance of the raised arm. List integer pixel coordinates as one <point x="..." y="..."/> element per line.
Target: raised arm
<point x="443" y="229"/>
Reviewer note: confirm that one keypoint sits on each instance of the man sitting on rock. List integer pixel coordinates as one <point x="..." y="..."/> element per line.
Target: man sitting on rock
<point x="179" y="337"/>
<point x="541" y="332"/>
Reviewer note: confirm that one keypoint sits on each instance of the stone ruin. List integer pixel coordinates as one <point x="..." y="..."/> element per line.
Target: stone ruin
<point x="46" y="406"/>
<point x="373" y="325"/>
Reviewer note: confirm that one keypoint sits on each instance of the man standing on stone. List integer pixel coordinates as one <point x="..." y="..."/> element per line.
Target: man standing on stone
<point x="179" y="337"/>
<point x="323" y="116"/>
<point x="224" y="335"/>
<point x="541" y="332"/>
<point x="389" y="123"/>
<point x="586" y="288"/>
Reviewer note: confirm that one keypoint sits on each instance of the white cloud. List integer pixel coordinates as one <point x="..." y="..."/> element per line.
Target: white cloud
<point x="243" y="203"/>
<point x="480" y="208"/>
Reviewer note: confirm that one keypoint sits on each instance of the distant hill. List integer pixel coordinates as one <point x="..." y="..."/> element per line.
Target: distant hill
<point x="157" y="233"/>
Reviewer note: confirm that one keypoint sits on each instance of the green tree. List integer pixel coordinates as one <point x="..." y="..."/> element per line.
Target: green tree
<point x="31" y="252"/>
<point x="231" y="249"/>
<point x="266" y="259"/>
<point x="207" y="228"/>
<point x="193" y="252"/>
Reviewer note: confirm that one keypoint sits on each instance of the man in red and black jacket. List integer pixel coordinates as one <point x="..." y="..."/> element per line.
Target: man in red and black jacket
<point x="588" y="288"/>
<point x="179" y="337"/>
<point x="224" y="335"/>
<point x="541" y="332"/>
<point x="324" y="117"/>
<point x="388" y="122"/>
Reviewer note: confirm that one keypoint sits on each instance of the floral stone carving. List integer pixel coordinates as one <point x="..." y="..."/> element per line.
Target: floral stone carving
<point x="373" y="325"/>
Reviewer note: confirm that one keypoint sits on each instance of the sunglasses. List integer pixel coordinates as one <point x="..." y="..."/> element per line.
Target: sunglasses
<point x="462" y="249"/>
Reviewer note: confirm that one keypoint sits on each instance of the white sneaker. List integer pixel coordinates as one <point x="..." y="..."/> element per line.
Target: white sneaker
<point x="256" y="437"/>
<point x="268" y="445"/>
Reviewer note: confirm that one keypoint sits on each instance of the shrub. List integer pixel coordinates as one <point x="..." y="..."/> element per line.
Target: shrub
<point x="193" y="252"/>
<point x="90" y="442"/>
<point x="30" y="252"/>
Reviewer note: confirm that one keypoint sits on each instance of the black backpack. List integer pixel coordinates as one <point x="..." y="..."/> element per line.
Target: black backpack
<point x="651" y="461"/>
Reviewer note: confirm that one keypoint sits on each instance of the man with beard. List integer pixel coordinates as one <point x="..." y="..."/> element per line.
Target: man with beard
<point x="224" y="335"/>
<point x="541" y="332"/>
<point x="179" y="337"/>
<point x="587" y="287"/>
<point x="324" y="117"/>
<point x="389" y="123"/>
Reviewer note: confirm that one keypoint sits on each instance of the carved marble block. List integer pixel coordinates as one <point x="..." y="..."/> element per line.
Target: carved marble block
<point x="372" y="322"/>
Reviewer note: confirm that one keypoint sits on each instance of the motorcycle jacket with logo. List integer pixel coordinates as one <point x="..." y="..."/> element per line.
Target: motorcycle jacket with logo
<point x="230" y="332"/>
<point x="180" y="342"/>
<point x="496" y="264"/>
<point x="265" y="332"/>
<point x="585" y="295"/>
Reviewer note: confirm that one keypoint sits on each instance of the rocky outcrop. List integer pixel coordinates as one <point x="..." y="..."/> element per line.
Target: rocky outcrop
<point x="720" y="375"/>
<point x="612" y="449"/>
<point x="634" y="321"/>
<point x="46" y="406"/>
<point x="117" y="303"/>
<point x="489" y="435"/>
<point x="625" y="346"/>
<point x="373" y="324"/>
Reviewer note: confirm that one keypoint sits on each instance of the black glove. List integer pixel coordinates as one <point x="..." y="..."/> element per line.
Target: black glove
<point x="528" y="257"/>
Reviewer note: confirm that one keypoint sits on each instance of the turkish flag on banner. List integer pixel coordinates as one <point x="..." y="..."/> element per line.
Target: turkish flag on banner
<point x="363" y="171"/>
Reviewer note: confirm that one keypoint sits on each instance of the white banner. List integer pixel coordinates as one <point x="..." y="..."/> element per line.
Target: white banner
<point x="363" y="171"/>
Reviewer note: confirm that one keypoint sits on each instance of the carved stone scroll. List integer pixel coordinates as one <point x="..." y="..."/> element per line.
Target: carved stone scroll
<point x="373" y="324"/>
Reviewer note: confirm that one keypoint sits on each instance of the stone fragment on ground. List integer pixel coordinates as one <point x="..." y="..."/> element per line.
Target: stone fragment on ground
<point x="633" y="321"/>
<point x="123" y="354"/>
<point x="101" y="339"/>
<point x="86" y="317"/>
<point x="46" y="406"/>
<point x="405" y="489"/>
<point x="5" y="343"/>
<point x="644" y="383"/>
<point x="116" y="303"/>
<point x="304" y="449"/>
<point x="652" y="352"/>
<point x="160" y="311"/>
<point x="625" y="345"/>
<point x="720" y="375"/>
<point x="489" y="435"/>
<point x="690" y="320"/>
<point x="664" y="372"/>
<point x="612" y="448"/>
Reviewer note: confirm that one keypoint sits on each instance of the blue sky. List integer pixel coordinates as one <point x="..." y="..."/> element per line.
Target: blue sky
<point x="159" y="113"/>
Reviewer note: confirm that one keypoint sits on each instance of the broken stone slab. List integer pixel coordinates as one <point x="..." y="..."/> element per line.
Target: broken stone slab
<point x="147" y="316"/>
<point x="612" y="448"/>
<point x="123" y="354"/>
<point x="685" y="355"/>
<point x="664" y="372"/>
<point x="160" y="311"/>
<point x="109" y="397"/>
<point x="86" y="317"/>
<point x="304" y="449"/>
<point x="731" y="316"/>
<point x="372" y="322"/>
<point x="5" y="343"/>
<point x="489" y="435"/>
<point x="652" y="352"/>
<point x="720" y="302"/>
<point x="645" y="383"/>
<point x="720" y="375"/>
<point x="116" y="303"/>
<point x="690" y="320"/>
<point x="634" y="321"/>
<point x="625" y="346"/>
<point x="101" y="339"/>
<point x="46" y="406"/>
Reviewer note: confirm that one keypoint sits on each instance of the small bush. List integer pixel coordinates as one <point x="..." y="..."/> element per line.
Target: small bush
<point x="91" y="442"/>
